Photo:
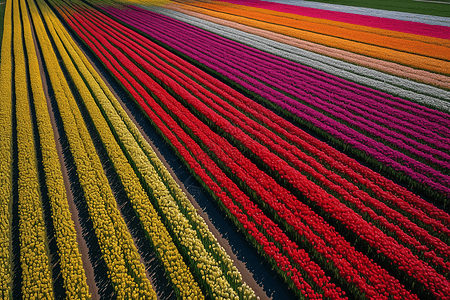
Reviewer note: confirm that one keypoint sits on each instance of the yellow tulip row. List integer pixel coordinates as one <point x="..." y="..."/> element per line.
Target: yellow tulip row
<point x="82" y="74"/>
<point x="70" y="257"/>
<point x="126" y="272"/>
<point x="6" y="155"/>
<point x="188" y="227"/>
<point x="34" y="258"/>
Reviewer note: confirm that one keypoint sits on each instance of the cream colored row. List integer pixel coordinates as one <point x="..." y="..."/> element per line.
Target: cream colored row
<point x="70" y="257"/>
<point x="34" y="258"/>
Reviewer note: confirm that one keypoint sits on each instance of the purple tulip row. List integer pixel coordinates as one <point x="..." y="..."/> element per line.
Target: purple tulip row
<point x="184" y="41"/>
<point x="382" y="100"/>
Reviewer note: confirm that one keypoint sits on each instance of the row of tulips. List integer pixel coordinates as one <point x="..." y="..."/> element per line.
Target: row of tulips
<point x="246" y="293"/>
<point x="280" y="259"/>
<point x="394" y="40"/>
<point x="126" y="272"/>
<point x="287" y="151"/>
<point x="172" y="108"/>
<point x="64" y="229"/>
<point x="385" y="156"/>
<point x="262" y="21"/>
<point x="6" y="146"/>
<point x="339" y="163"/>
<point x="236" y="119"/>
<point x="286" y="76"/>
<point x="375" y="16"/>
<point x="347" y="84"/>
<point x="186" y="121"/>
<point x="34" y="257"/>
<point x="139" y="199"/>
<point x="189" y="229"/>
<point x="364" y="121"/>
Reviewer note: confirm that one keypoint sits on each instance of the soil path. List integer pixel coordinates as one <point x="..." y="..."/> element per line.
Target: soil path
<point x="87" y="265"/>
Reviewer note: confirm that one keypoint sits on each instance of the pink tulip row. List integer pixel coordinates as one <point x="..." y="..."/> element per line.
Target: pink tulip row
<point x="330" y="104"/>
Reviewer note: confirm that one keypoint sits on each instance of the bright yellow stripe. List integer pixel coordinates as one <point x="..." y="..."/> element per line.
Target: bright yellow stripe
<point x="95" y="98"/>
<point x="127" y="273"/>
<point x="70" y="257"/>
<point x="6" y="155"/>
<point x="37" y="280"/>
<point x="408" y="59"/>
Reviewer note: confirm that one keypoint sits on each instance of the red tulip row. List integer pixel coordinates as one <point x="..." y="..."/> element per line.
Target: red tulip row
<point x="250" y="211"/>
<point x="232" y="159"/>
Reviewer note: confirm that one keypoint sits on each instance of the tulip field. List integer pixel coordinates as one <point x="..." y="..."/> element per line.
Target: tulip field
<point x="317" y="136"/>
